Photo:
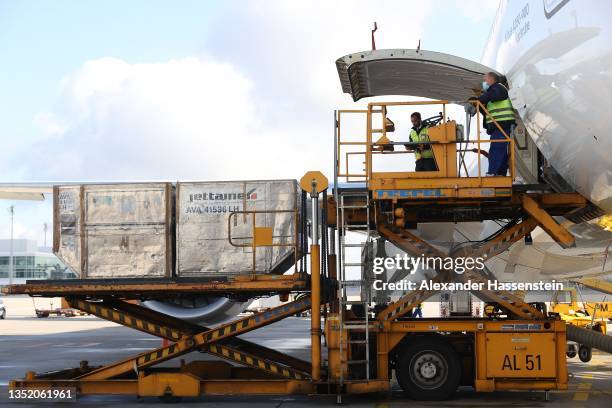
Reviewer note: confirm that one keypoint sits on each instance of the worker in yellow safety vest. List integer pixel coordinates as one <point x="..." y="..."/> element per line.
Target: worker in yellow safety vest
<point x="425" y="160"/>
<point x="495" y="99"/>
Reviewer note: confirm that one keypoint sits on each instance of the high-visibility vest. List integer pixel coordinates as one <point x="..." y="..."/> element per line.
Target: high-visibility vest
<point x="500" y="110"/>
<point x="422" y="136"/>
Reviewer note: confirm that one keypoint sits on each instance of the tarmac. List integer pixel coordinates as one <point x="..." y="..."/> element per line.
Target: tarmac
<point x="28" y="343"/>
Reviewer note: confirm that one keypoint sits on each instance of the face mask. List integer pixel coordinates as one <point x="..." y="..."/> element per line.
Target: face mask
<point x="485" y="86"/>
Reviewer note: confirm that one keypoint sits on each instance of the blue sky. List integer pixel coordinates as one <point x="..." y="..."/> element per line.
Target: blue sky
<point x="134" y="90"/>
<point x="43" y="41"/>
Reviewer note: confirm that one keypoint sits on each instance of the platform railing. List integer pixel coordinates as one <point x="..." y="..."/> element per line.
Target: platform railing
<point x="349" y="177"/>
<point x="373" y="147"/>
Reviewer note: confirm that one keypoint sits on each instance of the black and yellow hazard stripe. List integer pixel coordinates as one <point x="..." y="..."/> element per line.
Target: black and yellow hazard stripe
<point x="125" y="319"/>
<point x="508" y="237"/>
<point x="406" y="303"/>
<point x="227" y="330"/>
<point x="415" y="247"/>
<point x="158" y="354"/>
<point x="189" y="341"/>
<point x="505" y="298"/>
<point x="232" y="354"/>
<point x="419" y="247"/>
<point x="252" y="322"/>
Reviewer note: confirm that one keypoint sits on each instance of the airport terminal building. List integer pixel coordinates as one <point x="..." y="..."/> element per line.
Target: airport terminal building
<point x="30" y="262"/>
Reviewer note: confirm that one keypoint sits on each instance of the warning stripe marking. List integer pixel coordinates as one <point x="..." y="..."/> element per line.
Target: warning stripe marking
<point x="126" y="319"/>
<point x="505" y="298"/>
<point x="253" y="361"/>
<point x="228" y="330"/>
<point x="201" y="340"/>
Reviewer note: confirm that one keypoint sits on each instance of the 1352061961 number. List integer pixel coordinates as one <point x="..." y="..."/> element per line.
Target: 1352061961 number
<point x="64" y="394"/>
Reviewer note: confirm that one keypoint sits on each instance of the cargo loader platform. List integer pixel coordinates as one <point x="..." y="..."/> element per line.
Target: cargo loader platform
<point x="456" y="192"/>
<point x="125" y="288"/>
<point x="425" y="210"/>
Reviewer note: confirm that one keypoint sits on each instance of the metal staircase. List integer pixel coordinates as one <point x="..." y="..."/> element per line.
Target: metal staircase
<point x="356" y="331"/>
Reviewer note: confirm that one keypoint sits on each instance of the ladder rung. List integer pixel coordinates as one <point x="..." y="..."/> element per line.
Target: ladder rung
<point x="358" y="342"/>
<point x="351" y="282"/>
<point x="354" y="302"/>
<point x="344" y="207"/>
<point x="358" y="361"/>
<point x="357" y="225"/>
<point x="359" y="326"/>
<point x="353" y="264"/>
<point x="354" y="245"/>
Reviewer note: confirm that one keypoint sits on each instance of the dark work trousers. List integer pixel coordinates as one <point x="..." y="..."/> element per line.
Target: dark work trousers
<point x="498" y="152"/>
<point x="426" y="165"/>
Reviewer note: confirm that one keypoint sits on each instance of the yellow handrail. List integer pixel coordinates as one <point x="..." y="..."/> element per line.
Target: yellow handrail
<point x="254" y="244"/>
<point x="369" y="144"/>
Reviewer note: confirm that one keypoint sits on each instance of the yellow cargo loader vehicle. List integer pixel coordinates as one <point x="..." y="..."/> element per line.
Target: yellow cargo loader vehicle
<point x="517" y="346"/>
<point x="563" y="302"/>
<point x="584" y="315"/>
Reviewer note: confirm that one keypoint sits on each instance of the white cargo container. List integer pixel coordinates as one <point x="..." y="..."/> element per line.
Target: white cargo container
<point x="115" y="230"/>
<point x="215" y="227"/>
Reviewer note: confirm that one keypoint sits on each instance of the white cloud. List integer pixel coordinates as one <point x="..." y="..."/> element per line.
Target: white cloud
<point x="49" y="124"/>
<point x="477" y="11"/>
<point x="192" y="118"/>
<point x="179" y="119"/>
<point x="289" y="48"/>
<point x="257" y="105"/>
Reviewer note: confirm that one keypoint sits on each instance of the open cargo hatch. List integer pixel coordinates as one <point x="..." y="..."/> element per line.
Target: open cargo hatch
<point x="425" y="74"/>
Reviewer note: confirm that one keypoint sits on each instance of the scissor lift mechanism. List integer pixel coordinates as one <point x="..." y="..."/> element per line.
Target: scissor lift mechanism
<point x="256" y="369"/>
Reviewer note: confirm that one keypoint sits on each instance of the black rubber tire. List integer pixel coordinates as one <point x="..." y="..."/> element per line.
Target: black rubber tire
<point x="585" y="353"/>
<point x="441" y="359"/>
<point x="572" y="350"/>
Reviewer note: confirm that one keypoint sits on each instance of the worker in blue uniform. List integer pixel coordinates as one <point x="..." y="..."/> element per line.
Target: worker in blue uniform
<point x="495" y="98"/>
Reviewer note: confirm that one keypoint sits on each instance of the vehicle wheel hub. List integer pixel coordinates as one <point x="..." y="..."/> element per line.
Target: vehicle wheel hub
<point x="429" y="369"/>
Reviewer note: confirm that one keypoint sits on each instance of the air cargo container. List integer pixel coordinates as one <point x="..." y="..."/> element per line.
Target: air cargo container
<point x="216" y="223"/>
<point x="115" y="230"/>
<point x="108" y="231"/>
